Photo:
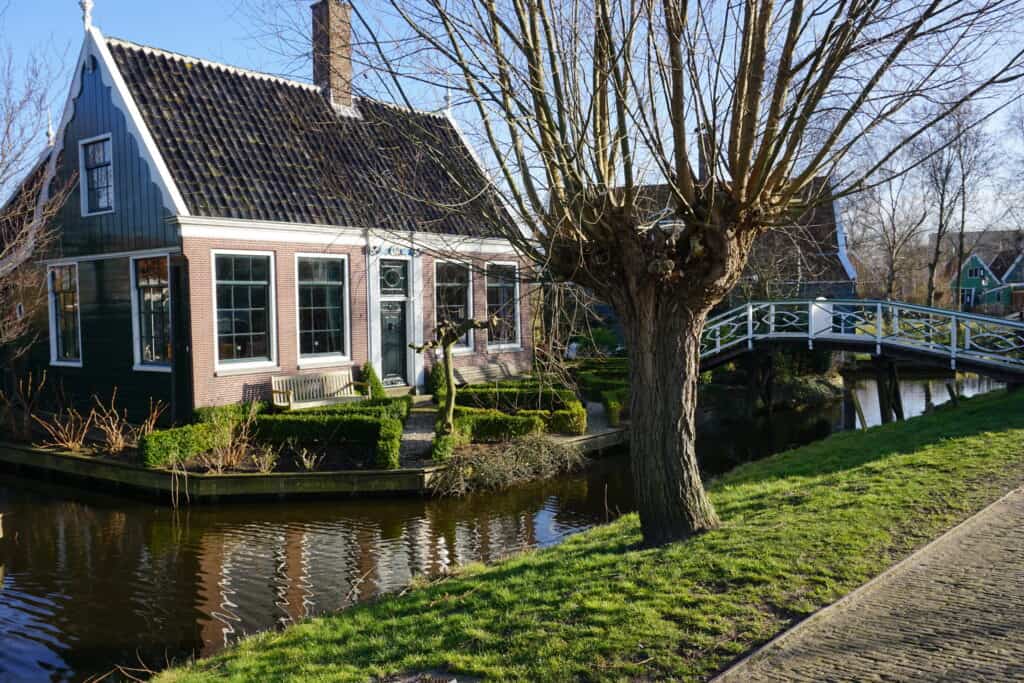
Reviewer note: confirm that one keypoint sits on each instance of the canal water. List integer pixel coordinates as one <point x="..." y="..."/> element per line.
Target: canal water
<point x="89" y="581"/>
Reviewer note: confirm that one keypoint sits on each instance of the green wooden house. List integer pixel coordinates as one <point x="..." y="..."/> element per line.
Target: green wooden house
<point x="995" y="286"/>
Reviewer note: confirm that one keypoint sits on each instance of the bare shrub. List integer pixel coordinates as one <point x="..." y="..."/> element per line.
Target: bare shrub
<point x="232" y="454"/>
<point x="266" y="458"/>
<point x="20" y="405"/>
<point x="67" y="428"/>
<point x="148" y="425"/>
<point x="494" y="469"/>
<point x="306" y="460"/>
<point x="114" y="426"/>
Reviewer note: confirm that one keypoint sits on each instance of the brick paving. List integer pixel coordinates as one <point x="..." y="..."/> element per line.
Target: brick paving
<point x="952" y="612"/>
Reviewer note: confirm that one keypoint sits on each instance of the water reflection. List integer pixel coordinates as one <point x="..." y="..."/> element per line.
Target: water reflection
<point x="89" y="581"/>
<point x="913" y="393"/>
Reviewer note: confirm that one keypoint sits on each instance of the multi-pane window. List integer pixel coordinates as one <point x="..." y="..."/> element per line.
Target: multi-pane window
<point x="97" y="176"/>
<point x="64" y="293"/>
<point x="243" y="308"/>
<point x="451" y="294"/>
<point x="321" y="307"/>
<point x="503" y="304"/>
<point x="974" y="273"/>
<point x="153" y="301"/>
<point x="394" y="278"/>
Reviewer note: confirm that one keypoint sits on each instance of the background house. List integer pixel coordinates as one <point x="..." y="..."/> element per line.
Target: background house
<point x="992" y="277"/>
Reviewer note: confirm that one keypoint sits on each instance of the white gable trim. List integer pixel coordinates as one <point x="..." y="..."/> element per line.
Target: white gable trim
<point x="95" y="45"/>
<point x="1013" y="265"/>
<point x="844" y="257"/>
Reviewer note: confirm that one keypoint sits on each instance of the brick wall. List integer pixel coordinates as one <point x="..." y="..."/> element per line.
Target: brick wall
<point x="520" y="360"/>
<point x="216" y="388"/>
<point x="213" y="388"/>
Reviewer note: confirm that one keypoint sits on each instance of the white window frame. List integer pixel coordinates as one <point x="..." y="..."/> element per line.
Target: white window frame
<point x="518" y="344"/>
<point x="52" y="310"/>
<point x="83" y="178"/>
<point x="469" y="347"/>
<point x="136" y="332"/>
<point x="968" y="300"/>
<point x="320" y="361"/>
<point x="246" y="367"/>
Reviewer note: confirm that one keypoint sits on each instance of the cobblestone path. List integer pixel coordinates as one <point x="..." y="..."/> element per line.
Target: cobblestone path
<point x="954" y="612"/>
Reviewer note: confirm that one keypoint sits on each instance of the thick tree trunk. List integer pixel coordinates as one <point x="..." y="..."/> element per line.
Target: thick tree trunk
<point x="664" y="349"/>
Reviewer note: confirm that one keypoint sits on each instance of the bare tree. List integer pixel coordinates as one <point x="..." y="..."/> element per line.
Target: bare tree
<point x="890" y="221"/>
<point x="974" y="159"/>
<point x="25" y="229"/>
<point x="580" y="107"/>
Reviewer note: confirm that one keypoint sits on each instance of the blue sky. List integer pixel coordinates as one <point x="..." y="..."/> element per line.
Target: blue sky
<point x="220" y="30"/>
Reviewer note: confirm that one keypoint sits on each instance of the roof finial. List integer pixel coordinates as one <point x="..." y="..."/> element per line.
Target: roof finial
<point x="86" y="6"/>
<point x="51" y="137"/>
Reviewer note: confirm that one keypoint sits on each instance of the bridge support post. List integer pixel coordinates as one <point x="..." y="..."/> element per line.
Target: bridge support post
<point x="894" y="387"/>
<point x="884" y="393"/>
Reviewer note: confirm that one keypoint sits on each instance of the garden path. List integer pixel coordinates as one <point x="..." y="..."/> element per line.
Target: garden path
<point x="950" y="612"/>
<point x="418" y="433"/>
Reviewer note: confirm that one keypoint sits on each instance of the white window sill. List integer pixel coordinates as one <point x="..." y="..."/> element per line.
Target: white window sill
<point x="324" y="362"/>
<point x="66" y="363"/>
<point x="504" y="348"/>
<point x="142" y="367"/>
<point x="97" y="213"/>
<point x="245" y="369"/>
<point x="463" y="351"/>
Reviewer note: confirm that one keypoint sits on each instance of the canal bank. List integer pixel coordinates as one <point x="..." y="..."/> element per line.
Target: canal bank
<point x="800" y="529"/>
<point x="173" y="584"/>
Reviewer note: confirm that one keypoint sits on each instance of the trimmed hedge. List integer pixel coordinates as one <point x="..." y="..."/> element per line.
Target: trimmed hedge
<point x="397" y="407"/>
<point x="514" y="398"/>
<point x="616" y="405"/>
<point x="572" y="420"/>
<point x="232" y="413"/>
<point x="486" y="425"/>
<point x="318" y="429"/>
<point x="169" y="446"/>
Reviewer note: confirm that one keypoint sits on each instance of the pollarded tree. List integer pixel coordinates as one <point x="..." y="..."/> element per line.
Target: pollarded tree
<point x="584" y="108"/>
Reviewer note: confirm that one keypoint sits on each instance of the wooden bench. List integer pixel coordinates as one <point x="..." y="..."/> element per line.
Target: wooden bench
<point x="315" y="389"/>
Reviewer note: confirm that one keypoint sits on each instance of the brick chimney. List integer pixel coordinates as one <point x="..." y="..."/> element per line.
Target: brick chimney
<point x="332" y="50"/>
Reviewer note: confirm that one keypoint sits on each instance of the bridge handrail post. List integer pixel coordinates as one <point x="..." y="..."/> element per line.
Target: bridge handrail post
<point x="878" y="328"/>
<point x="718" y="338"/>
<point x="967" y="335"/>
<point x="895" y="320"/>
<point x="771" y="319"/>
<point x="810" y="325"/>
<point x="750" y="325"/>
<point x="953" y="323"/>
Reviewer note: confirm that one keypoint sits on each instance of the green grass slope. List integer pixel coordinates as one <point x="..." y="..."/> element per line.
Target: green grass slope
<point x="799" y="530"/>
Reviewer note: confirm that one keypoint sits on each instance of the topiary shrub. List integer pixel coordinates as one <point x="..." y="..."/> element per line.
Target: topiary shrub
<point x="437" y="384"/>
<point x="166" y="447"/>
<point x="389" y="444"/>
<point x="371" y="382"/>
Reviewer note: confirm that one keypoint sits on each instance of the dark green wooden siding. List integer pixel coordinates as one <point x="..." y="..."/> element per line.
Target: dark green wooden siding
<point x="140" y="219"/>
<point x="107" y="353"/>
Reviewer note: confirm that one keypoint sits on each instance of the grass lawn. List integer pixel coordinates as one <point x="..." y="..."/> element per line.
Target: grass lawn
<point x="799" y="530"/>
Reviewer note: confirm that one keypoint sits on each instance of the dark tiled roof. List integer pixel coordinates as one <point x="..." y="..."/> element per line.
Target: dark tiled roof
<point x="1002" y="261"/>
<point x="243" y="145"/>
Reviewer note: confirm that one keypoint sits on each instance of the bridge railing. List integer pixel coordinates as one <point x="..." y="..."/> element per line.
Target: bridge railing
<point x="934" y="331"/>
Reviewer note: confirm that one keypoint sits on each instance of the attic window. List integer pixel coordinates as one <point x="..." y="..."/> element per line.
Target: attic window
<point x="96" y="171"/>
<point x="974" y="273"/>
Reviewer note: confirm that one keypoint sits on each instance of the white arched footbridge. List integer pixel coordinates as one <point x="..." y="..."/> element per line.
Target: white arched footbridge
<point x="960" y="341"/>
